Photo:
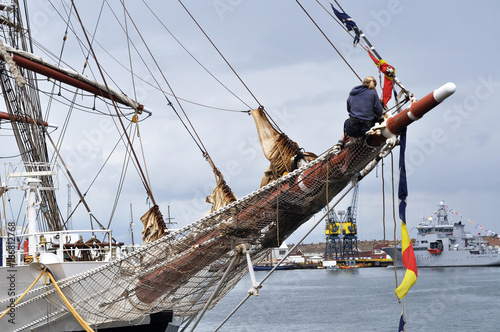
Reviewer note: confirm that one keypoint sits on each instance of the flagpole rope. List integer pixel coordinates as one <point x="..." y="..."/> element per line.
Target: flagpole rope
<point x="383" y="199"/>
<point x="395" y="224"/>
<point x="278" y="190"/>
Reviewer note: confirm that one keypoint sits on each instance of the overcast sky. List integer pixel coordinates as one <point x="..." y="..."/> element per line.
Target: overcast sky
<point x="292" y="70"/>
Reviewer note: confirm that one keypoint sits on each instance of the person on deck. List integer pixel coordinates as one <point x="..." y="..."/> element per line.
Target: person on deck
<point x="364" y="108"/>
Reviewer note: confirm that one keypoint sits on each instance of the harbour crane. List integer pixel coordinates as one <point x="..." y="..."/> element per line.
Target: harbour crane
<point x="341" y="232"/>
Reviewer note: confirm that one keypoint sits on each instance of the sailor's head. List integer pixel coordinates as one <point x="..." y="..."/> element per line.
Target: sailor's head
<point x="370" y="82"/>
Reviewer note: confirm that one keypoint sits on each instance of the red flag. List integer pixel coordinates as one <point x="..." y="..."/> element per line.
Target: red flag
<point x="388" y="72"/>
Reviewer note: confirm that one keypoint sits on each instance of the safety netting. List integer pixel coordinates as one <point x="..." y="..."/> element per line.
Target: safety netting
<point x="180" y="270"/>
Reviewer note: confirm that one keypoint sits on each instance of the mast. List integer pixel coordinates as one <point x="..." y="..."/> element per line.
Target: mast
<point x="68" y="216"/>
<point x="442" y="216"/>
<point x="18" y="69"/>
<point x="132" y="225"/>
<point x="22" y="103"/>
<point x="31" y="202"/>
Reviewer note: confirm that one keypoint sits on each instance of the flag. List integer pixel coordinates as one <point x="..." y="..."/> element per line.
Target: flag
<point x="408" y="255"/>
<point x="402" y="320"/>
<point x="389" y="73"/>
<point x="349" y="24"/>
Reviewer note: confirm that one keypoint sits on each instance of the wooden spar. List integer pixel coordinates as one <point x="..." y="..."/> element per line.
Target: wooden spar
<point x="6" y="116"/>
<point x="418" y="109"/>
<point x="71" y="78"/>
<point x="414" y="112"/>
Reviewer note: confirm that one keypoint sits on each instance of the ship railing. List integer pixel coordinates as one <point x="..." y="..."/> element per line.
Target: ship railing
<point x="67" y="245"/>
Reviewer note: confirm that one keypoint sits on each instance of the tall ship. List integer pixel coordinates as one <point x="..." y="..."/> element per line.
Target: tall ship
<point x="65" y="265"/>
<point x="441" y="242"/>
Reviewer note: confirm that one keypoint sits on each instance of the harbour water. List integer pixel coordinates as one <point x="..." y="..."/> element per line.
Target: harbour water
<point x="443" y="299"/>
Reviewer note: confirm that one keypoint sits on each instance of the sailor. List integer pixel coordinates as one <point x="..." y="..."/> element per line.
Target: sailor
<point x="364" y="108"/>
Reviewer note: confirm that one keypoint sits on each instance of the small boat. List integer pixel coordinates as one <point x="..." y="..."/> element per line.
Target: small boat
<point x="270" y="267"/>
<point x="351" y="264"/>
<point x="434" y="251"/>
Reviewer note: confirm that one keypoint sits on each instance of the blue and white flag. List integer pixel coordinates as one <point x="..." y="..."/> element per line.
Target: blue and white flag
<point x="349" y="24"/>
<point x="402" y="320"/>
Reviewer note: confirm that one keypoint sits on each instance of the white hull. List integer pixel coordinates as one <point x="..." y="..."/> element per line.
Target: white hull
<point x="448" y="258"/>
<point x="439" y="242"/>
<point x="16" y="280"/>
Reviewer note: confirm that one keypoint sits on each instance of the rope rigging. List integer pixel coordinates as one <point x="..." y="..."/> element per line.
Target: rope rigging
<point x="137" y="165"/>
<point x="194" y="58"/>
<point x="144" y="180"/>
<point x="75" y="94"/>
<point x="387" y="91"/>
<point x="220" y="53"/>
<point x="222" y="191"/>
<point x="34" y="87"/>
<point x="58" y="59"/>
<point x="394" y="216"/>
<point x="287" y="254"/>
<point x="328" y="39"/>
<point x="279" y="159"/>
<point x="24" y="109"/>
<point x="89" y="49"/>
<point x="82" y="198"/>
<point x="127" y="157"/>
<point x="132" y="76"/>
<point x="144" y="81"/>
<point x="231" y="68"/>
<point x="120" y="139"/>
<point x="192" y="133"/>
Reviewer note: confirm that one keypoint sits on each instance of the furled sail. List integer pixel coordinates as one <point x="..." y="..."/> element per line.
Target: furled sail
<point x="284" y="154"/>
<point x="221" y="195"/>
<point x="154" y="225"/>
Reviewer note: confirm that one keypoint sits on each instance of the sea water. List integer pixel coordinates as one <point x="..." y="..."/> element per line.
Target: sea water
<point x="363" y="299"/>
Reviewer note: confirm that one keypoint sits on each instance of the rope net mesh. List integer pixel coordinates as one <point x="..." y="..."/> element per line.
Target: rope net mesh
<point x="180" y="270"/>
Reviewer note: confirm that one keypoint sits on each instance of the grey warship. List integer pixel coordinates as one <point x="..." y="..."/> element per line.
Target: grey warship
<point x="440" y="243"/>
